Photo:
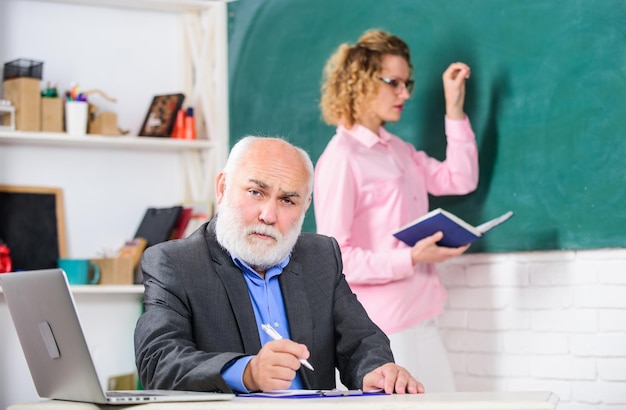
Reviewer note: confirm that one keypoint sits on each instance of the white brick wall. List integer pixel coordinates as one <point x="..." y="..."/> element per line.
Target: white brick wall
<point x="539" y="321"/>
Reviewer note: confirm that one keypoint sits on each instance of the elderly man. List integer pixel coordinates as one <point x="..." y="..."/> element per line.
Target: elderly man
<point x="208" y="296"/>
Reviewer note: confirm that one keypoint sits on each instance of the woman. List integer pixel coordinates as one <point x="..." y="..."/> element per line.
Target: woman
<point x="369" y="182"/>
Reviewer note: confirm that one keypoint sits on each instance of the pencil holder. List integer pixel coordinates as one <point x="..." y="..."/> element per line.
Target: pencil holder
<point x="52" y="114"/>
<point x="76" y="117"/>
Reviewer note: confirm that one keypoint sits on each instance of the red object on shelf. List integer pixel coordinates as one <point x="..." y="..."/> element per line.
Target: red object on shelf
<point x="179" y="126"/>
<point x="5" y="260"/>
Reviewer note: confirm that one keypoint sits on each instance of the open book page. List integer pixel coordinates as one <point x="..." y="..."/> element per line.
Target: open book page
<point x="433" y="214"/>
<point x="461" y="222"/>
<point x="456" y="231"/>
<point x="494" y="222"/>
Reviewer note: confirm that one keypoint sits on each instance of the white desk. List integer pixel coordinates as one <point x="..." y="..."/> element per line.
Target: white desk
<point x="543" y="400"/>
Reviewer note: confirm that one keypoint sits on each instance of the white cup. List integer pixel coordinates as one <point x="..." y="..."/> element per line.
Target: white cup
<point x="76" y="117"/>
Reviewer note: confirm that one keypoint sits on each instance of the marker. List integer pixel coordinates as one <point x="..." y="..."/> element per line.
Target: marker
<point x="271" y="332"/>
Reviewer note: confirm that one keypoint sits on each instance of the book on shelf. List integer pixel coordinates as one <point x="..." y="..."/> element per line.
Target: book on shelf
<point x="180" y="226"/>
<point x="456" y="232"/>
<point x="157" y="224"/>
<point x="201" y="213"/>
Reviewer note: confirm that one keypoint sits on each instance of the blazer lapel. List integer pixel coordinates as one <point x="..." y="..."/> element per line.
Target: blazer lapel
<point x="297" y="304"/>
<point x="237" y="290"/>
<point x="298" y="309"/>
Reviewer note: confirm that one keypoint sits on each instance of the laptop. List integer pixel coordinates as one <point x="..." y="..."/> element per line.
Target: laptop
<point x="45" y="317"/>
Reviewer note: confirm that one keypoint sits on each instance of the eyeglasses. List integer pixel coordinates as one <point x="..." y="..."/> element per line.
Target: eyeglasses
<point x="395" y="84"/>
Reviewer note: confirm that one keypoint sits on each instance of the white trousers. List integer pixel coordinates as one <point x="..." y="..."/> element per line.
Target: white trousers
<point x="420" y="350"/>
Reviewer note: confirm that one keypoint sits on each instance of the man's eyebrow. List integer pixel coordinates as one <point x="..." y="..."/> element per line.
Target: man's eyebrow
<point x="291" y="194"/>
<point x="261" y="184"/>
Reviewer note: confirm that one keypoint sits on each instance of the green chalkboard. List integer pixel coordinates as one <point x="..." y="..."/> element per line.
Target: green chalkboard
<point x="547" y="100"/>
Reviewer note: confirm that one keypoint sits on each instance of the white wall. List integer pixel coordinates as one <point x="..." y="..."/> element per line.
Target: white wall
<point x="540" y="321"/>
<point x="131" y="55"/>
<point x="105" y="191"/>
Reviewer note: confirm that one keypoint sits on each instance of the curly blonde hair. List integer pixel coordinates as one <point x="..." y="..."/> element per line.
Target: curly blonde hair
<point x="350" y="77"/>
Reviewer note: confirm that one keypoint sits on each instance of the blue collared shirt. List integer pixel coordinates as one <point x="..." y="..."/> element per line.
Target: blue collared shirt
<point x="269" y="308"/>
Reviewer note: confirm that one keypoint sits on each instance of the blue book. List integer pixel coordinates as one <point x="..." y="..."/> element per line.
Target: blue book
<point x="456" y="232"/>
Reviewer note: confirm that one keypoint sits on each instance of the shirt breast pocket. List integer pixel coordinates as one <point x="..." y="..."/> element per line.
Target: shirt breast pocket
<point x="382" y="193"/>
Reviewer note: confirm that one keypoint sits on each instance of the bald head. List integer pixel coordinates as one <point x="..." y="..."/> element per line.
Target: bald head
<point x="268" y="153"/>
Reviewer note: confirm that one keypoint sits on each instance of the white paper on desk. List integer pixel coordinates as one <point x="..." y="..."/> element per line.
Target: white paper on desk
<point x="303" y="393"/>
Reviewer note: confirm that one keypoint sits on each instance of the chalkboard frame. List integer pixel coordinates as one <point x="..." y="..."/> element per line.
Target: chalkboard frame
<point x="57" y="194"/>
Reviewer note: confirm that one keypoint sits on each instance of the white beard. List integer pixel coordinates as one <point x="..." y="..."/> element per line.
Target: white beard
<point x="239" y="240"/>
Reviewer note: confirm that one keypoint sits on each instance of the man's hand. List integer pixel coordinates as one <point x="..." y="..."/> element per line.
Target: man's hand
<point x="274" y="367"/>
<point x="392" y="378"/>
<point x="427" y="250"/>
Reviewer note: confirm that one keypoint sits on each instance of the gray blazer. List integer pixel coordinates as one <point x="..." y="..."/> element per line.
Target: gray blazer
<point x="198" y="315"/>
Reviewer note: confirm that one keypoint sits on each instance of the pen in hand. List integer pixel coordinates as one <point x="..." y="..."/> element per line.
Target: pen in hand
<point x="271" y="332"/>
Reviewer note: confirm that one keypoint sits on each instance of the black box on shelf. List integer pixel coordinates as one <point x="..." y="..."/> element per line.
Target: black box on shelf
<point x="23" y="68"/>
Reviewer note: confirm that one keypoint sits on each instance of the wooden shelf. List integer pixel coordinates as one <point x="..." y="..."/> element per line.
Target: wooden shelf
<point x="156" y="5"/>
<point x="105" y="289"/>
<point x="108" y="289"/>
<point x="102" y="141"/>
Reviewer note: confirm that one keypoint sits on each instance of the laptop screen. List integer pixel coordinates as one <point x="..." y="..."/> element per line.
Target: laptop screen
<point x="45" y="318"/>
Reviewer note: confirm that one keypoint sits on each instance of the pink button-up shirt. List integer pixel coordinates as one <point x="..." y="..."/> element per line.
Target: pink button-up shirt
<point x="366" y="187"/>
